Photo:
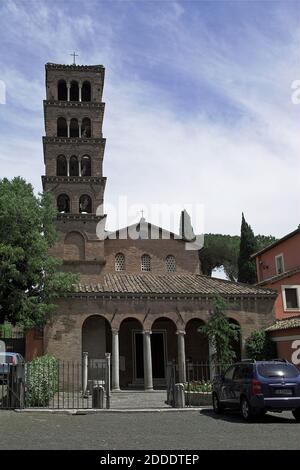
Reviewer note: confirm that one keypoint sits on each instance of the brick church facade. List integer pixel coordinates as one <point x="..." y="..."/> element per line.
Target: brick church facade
<point x="140" y="298"/>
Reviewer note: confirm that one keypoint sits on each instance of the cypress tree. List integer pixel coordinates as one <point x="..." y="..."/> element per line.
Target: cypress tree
<point x="248" y="246"/>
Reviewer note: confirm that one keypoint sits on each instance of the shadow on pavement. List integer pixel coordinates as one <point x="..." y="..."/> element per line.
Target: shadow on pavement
<point x="235" y="417"/>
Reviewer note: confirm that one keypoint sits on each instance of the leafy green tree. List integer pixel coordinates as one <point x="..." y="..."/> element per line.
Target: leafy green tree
<point x="220" y="332"/>
<point x="30" y="279"/>
<point x="259" y="346"/>
<point x="248" y="246"/>
<point x="223" y="251"/>
<point x="220" y="250"/>
<point x="262" y="241"/>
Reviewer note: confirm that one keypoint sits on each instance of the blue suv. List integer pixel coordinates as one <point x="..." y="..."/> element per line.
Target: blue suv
<point x="256" y="387"/>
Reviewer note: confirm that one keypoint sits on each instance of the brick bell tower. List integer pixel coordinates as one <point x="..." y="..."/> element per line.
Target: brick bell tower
<point x="73" y="156"/>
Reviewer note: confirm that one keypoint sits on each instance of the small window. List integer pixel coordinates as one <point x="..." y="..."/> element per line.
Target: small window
<point x="86" y="166"/>
<point x="291" y="298"/>
<point x="62" y="90"/>
<point x="120" y="262"/>
<point x="170" y="264"/>
<point x="86" y="91"/>
<point x="86" y="127"/>
<point x="145" y="263"/>
<point x="63" y="203"/>
<point x="279" y="264"/>
<point x="74" y="91"/>
<point x="85" y="204"/>
<point x="61" y="166"/>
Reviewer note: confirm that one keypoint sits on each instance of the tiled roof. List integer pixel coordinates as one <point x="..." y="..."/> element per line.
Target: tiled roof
<point x="172" y="284"/>
<point x="278" y="277"/>
<point x="285" y="324"/>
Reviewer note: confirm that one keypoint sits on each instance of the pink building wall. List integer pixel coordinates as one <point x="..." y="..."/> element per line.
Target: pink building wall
<point x="289" y="247"/>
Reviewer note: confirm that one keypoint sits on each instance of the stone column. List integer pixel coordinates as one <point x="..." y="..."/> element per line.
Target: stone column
<point x="181" y="355"/>
<point x="148" y="381"/>
<point x="212" y="365"/>
<point x="79" y="166"/>
<point x="68" y="166"/>
<point x="115" y="360"/>
<point x="68" y="128"/>
<point x="68" y="91"/>
<point x="80" y="88"/>
<point x="79" y="128"/>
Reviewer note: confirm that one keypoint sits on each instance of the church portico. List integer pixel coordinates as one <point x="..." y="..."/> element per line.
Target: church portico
<point x="142" y="332"/>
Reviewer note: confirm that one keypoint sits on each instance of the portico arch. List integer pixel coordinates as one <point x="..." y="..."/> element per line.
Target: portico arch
<point x="96" y="336"/>
<point x="196" y="343"/>
<point x="164" y="346"/>
<point x="130" y="352"/>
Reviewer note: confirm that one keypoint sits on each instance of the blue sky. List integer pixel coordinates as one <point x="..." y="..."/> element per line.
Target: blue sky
<point x="198" y="101"/>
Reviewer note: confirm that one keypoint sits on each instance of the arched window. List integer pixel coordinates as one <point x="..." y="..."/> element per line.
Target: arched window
<point x="62" y="90"/>
<point x="145" y="263"/>
<point x="74" y="91"/>
<point x="86" y="91"/>
<point x="74" y="128"/>
<point x="85" y="204"/>
<point x="170" y="264"/>
<point x="61" y="166"/>
<point x="119" y="262"/>
<point x="74" y="167"/>
<point x="63" y="203"/>
<point x="86" y="127"/>
<point x="62" y="130"/>
<point x="86" y="165"/>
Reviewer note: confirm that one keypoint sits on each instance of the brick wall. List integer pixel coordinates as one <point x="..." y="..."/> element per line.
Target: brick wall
<point x="186" y="261"/>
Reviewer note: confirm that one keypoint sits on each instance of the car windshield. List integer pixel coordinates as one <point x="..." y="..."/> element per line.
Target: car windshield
<point x="278" y="370"/>
<point x="6" y="359"/>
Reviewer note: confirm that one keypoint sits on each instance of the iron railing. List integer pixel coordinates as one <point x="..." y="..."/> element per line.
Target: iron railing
<point x="55" y="385"/>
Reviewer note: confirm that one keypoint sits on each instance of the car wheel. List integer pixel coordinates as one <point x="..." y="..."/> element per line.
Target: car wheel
<point x="246" y="410"/>
<point x="296" y="414"/>
<point x="218" y="408"/>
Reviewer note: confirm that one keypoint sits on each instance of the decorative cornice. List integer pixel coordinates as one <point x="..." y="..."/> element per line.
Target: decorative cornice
<point x="74" y="179"/>
<point x="74" y="104"/>
<point x="84" y="68"/>
<point x="81" y="217"/>
<point x="73" y="140"/>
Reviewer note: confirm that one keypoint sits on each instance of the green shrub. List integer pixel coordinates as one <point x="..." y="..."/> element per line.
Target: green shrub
<point x="5" y="330"/>
<point x="41" y="380"/>
<point x="260" y="347"/>
<point x="198" y="386"/>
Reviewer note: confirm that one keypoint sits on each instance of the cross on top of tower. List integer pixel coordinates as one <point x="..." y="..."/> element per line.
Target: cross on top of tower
<point x="74" y="57"/>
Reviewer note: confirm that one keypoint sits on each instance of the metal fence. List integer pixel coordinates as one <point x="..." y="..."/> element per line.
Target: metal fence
<point x="56" y="385"/>
<point x="199" y="372"/>
<point x="199" y="377"/>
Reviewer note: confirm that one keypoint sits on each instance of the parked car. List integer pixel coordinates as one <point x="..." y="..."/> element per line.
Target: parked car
<point x="256" y="387"/>
<point x="7" y="360"/>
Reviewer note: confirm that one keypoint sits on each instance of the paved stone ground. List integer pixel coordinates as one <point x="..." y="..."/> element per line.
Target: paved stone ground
<point x="138" y="399"/>
<point x="152" y="430"/>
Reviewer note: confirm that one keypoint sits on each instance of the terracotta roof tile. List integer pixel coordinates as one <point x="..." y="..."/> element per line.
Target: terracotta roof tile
<point x="177" y="284"/>
<point x="293" y="322"/>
